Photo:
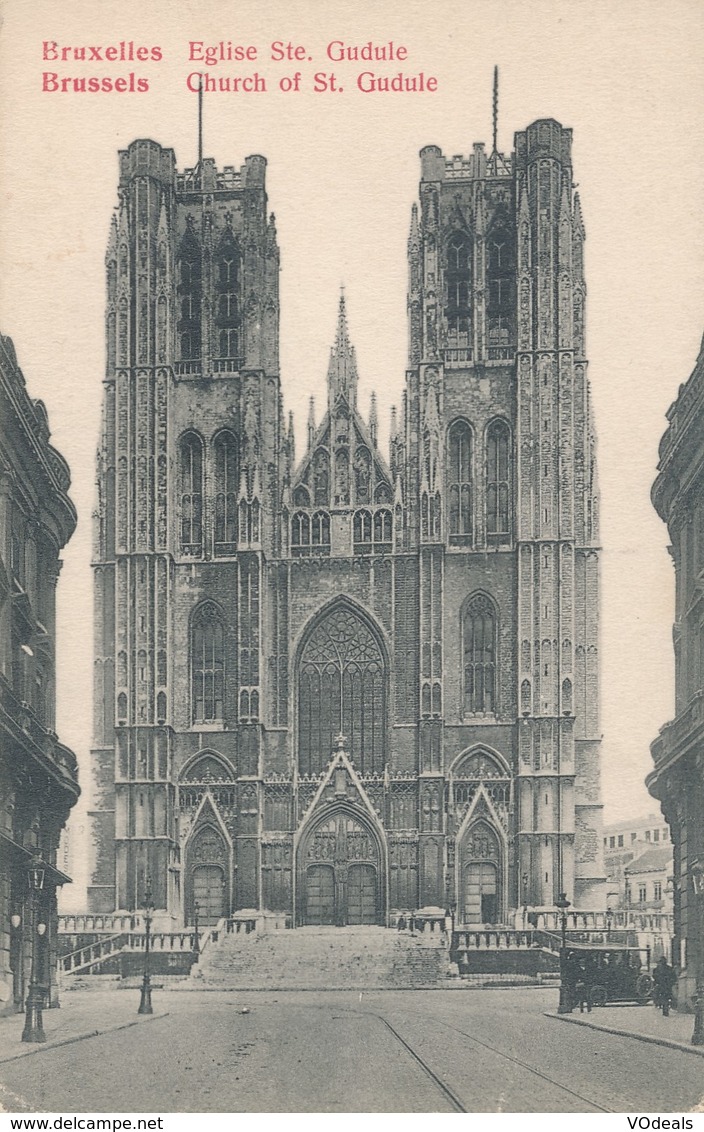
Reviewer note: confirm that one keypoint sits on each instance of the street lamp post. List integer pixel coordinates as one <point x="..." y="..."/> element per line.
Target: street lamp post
<point x="609" y="921"/>
<point x="697" y="873"/>
<point x="565" y="1005"/>
<point x="145" y="1002"/>
<point x="196" y="930"/>
<point x="33" y="1022"/>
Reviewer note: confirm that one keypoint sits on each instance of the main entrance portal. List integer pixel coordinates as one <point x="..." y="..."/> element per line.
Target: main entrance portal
<point x="340" y="873"/>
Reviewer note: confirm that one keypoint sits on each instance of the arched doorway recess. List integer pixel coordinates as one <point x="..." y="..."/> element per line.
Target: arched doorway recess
<point x="481" y="875"/>
<point x="341" y="875"/>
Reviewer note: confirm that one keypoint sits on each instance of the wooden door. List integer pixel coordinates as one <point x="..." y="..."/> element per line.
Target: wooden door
<point x="209" y="892"/>
<point x="361" y="895"/>
<point x="480" y="893"/>
<point x="320" y="894"/>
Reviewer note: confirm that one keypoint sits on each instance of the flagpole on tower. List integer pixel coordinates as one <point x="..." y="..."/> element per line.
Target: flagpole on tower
<point x="495" y="149"/>
<point x="200" y="127"/>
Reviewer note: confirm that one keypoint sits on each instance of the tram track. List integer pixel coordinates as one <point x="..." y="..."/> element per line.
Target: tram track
<point x="443" y="1086"/>
<point x="524" y="1065"/>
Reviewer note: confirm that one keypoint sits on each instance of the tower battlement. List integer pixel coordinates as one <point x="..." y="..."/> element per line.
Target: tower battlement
<point x="543" y="139"/>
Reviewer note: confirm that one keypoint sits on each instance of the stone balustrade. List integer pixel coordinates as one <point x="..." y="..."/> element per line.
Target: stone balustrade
<point x="238" y="926"/>
<point x="617" y="920"/>
<point x="93" y="953"/>
<point x="163" y="941"/>
<point x="491" y="940"/>
<point x="90" y="923"/>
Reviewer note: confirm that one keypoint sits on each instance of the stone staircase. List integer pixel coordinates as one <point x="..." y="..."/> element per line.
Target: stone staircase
<point x="325" y="958"/>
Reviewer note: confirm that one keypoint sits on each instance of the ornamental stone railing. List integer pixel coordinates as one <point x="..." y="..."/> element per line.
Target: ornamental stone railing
<point x="91" y="923"/>
<point x="491" y="939"/>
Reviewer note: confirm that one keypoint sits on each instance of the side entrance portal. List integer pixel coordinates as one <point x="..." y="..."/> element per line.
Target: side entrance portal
<point x="209" y="893"/>
<point x="340" y="873"/>
<point x="480" y="895"/>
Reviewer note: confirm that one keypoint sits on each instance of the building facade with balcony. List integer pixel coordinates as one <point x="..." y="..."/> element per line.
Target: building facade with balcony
<point x="38" y="774"/>
<point x="348" y="687"/>
<point x="677" y="779"/>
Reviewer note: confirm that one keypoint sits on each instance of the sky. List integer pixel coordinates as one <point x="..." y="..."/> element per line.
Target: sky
<point x="342" y="175"/>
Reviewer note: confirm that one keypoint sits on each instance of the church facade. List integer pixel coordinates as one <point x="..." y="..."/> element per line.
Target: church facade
<point x="352" y="686"/>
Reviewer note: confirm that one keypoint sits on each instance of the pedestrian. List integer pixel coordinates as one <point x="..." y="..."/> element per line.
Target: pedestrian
<point x="583" y="987"/>
<point x="664" y="977"/>
<point x="570" y="976"/>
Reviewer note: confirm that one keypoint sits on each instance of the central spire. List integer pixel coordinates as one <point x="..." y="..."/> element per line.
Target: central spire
<point x="342" y="370"/>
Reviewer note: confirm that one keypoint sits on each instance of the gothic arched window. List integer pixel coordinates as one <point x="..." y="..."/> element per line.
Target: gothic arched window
<point x="207" y="664"/>
<point x="479" y="639"/>
<point x="191" y="494"/>
<point x="458" y="279"/>
<point x="190" y="295"/>
<point x="320" y="533"/>
<point x="362" y="532"/>
<point x="341" y="688"/>
<point x="459" y="465"/>
<point x="225" y="493"/>
<point x="500" y="277"/>
<point x="498" y="482"/>
<point x="382" y="530"/>
<point x="300" y="534"/>
<point x="481" y="766"/>
<point x="227" y="298"/>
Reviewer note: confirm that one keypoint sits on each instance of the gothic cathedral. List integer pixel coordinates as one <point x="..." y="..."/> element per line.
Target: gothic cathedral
<point x="357" y="685"/>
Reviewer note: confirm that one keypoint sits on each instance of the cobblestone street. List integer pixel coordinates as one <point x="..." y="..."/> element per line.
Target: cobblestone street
<point x="343" y="1051"/>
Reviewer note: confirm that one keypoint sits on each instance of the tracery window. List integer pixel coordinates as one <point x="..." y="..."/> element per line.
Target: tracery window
<point x="498" y="482"/>
<point x="320" y="533"/>
<point x="372" y="532"/>
<point x="382" y="530"/>
<point x="227" y="304"/>
<point x="459" y="258"/>
<point x="341" y="687"/>
<point x="460" y="483"/>
<point x="479" y="654"/>
<point x="207" y="664"/>
<point x="191" y="494"/>
<point x="190" y="294"/>
<point x="362" y="532"/>
<point x="226" y="487"/>
<point x="310" y="534"/>
<point x="481" y="767"/>
<point x="500" y="274"/>
<point x="300" y="534"/>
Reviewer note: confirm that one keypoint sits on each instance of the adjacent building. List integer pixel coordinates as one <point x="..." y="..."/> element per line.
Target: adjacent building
<point x="677" y="779"/>
<point x="624" y="844"/>
<point x="648" y="881"/>
<point x="38" y="774"/>
<point x="360" y="683"/>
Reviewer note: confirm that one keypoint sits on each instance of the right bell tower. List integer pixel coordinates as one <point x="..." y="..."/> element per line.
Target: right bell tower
<point x="558" y="796"/>
<point x="501" y="502"/>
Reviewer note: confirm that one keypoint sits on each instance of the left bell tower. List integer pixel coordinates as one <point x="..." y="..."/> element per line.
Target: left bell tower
<point x="192" y="370"/>
<point x="132" y="825"/>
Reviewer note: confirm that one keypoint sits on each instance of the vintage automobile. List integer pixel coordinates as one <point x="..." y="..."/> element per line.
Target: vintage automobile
<point x="607" y="973"/>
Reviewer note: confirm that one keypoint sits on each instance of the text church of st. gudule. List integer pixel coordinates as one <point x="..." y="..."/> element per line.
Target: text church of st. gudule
<point x="348" y="687"/>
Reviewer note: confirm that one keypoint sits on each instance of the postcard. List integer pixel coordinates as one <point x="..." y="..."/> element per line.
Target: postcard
<point x="349" y="331"/>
